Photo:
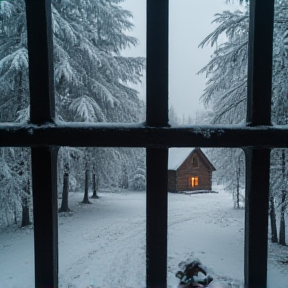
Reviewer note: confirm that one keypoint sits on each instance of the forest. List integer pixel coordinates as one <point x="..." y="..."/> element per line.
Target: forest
<point x="225" y="98"/>
<point x="92" y="85"/>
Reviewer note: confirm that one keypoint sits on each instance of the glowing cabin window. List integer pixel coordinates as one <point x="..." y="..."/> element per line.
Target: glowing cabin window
<point x="194" y="181"/>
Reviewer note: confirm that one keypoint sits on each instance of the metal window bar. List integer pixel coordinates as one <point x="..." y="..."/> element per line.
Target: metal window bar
<point x="157" y="157"/>
<point x="258" y="159"/>
<point x="44" y="136"/>
<point x="44" y="157"/>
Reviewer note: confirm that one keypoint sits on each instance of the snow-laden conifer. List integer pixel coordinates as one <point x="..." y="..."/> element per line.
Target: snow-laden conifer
<point x="226" y="90"/>
<point x="91" y="75"/>
<point x="15" y="185"/>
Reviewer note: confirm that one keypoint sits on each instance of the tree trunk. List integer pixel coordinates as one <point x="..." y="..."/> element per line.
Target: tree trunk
<point x="65" y="193"/>
<point x="15" y="213"/>
<point x="95" y="187"/>
<point x="25" y="213"/>
<point x="124" y="178"/>
<point x="238" y="171"/>
<point x="85" y="199"/>
<point x="283" y="206"/>
<point x="25" y="207"/>
<point x="274" y="237"/>
<point x="282" y="239"/>
<point x="237" y="193"/>
<point x="282" y="228"/>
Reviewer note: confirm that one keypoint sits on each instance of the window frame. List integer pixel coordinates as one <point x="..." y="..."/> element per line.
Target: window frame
<point x="193" y="181"/>
<point x="195" y="162"/>
<point x="44" y="134"/>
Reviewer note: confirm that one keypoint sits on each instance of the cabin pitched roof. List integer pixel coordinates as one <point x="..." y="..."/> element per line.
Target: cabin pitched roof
<point x="178" y="155"/>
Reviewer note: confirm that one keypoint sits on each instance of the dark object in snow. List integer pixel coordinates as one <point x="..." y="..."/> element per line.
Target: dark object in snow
<point x="189" y="277"/>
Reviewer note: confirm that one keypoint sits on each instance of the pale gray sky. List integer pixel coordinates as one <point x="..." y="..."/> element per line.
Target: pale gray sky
<point x="189" y="23"/>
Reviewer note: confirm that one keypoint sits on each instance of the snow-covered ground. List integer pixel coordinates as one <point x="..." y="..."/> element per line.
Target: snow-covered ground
<point x="103" y="244"/>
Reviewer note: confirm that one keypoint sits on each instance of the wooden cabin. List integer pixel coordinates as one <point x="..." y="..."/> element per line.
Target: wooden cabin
<point x="189" y="169"/>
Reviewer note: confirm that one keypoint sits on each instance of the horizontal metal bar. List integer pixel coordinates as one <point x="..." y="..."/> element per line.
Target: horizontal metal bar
<point x="141" y="136"/>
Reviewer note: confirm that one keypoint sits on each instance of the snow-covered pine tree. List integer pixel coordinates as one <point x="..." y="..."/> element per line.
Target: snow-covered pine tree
<point x="230" y="172"/>
<point x="69" y="160"/>
<point x="90" y="72"/>
<point x="278" y="191"/>
<point x="102" y="95"/>
<point x="14" y="88"/>
<point x="226" y="87"/>
<point x="88" y="39"/>
<point x="137" y="179"/>
<point x="15" y="185"/>
<point x="225" y="92"/>
<point x="173" y="117"/>
<point x="91" y="75"/>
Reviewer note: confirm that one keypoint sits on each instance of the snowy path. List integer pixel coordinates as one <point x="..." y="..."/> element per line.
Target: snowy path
<point x="215" y="232"/>
<point x="104" y="243"/>
<point x="111" y="252"/>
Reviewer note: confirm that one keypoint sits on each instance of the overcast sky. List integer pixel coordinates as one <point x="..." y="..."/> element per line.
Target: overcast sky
<point x="189" y="23"/>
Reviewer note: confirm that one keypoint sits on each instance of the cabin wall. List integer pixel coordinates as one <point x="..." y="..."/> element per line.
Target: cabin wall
<point x="172" y="183"/>
<point x="187" y="170"/>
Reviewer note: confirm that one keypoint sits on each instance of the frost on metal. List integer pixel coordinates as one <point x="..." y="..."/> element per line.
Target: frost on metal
<point x="205" y="132"/>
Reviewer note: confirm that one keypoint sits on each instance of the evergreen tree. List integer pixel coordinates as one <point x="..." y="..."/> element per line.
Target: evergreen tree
<point x="278" y="191"/>
<point x="226" y="89"/>
<point x="138" y="175"/>
<point x="68" y="165"/>
<point x="15" y="185"/>
<point x="14" y="89"/>
<point x="173" y="117"/>
<point x="230" y="171"/>
<point x="91" y="75"/>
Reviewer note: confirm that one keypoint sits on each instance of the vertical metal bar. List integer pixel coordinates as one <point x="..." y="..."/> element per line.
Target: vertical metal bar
<point x="257" y="159"/>
<point x="256" y="217"/>
<point x="260" y="62"/>
<point x="157" y="63"/>
<point x="157" y="115"/>
<point x="44" y="159"/>
<point x="157" y="179"/>
<point x="44" y="183"/>
<point x="40" y="51"/>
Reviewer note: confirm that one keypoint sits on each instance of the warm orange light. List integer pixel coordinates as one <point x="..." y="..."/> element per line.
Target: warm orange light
<point x="194" y="181"/>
